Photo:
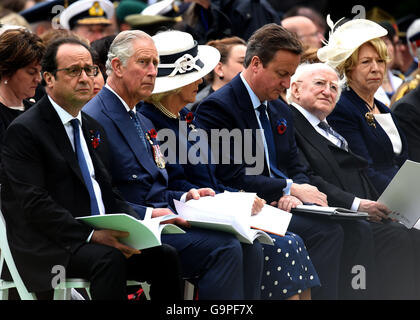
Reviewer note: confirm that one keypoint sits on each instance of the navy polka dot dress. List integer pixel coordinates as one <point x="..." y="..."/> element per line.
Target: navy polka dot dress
<point x="288" y="269"/>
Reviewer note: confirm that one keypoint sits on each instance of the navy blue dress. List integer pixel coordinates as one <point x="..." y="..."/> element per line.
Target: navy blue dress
<point x="368" y="139"/>
<point x="288" y="269"/>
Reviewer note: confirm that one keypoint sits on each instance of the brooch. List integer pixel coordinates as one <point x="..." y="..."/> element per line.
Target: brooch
<point x="157" y="154"/>
<point x="281" y="126"/>
<point x="189" y="117"/>
<point x="95" y="138"/>
<point x="370" y="119"/>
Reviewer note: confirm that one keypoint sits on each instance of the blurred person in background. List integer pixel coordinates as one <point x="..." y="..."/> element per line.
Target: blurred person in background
<point x="19" y="73"/>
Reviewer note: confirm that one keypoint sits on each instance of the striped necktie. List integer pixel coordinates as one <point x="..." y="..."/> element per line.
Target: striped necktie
<point x="139" y="128"/>
<point x="327" y="128"/>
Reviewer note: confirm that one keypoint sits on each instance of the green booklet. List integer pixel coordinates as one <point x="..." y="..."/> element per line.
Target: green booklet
<point x="142" y="233"/>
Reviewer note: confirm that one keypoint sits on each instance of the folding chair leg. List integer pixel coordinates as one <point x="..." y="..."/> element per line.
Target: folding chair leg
<point x="188" y="290"/>
<point x="60" y="294"/>
<point x="146" y="288"/>
<point x="4" y="294"/>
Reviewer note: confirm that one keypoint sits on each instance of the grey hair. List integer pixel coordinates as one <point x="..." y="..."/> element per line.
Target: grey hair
<point x="303" y="68"/>
<point x="122" y="47"/>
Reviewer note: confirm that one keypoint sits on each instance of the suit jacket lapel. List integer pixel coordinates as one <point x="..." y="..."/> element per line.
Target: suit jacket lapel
<point x="117" y="113"/>
<point x="244" y="103"/>
<point x="248" y="116"/>
<point x="316" y="140"/>
<point x="59" y="135"/>
<point x="382" y="137"/>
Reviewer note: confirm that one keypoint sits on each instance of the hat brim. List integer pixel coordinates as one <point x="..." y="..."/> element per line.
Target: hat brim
<point x="80" y="6"/>
<point x="89" y="21"/>
<point x="347" y="39"/>
<point x="160" y="7"/>
<point x="210" y="56"/>
<point x="144" y="20"/>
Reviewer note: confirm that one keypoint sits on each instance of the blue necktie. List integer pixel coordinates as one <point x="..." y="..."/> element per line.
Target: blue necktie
<point x="139" y="128"/>
<point x="84" y="168"/>
<point x="327" y="128"/>
<point x="269" y="139"/>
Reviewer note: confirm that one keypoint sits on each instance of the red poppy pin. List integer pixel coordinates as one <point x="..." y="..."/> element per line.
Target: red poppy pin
<point x="152" y="133"/>
<point x="189" y="117"/>
<point x="281" y="126"/>
<point x="95" y="138"/>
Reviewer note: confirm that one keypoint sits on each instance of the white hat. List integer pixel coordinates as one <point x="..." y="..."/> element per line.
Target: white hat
<point x="158" y="8"/>
<point x="182" y="61"/>
<point x="87" y="12"/>
<point x="413" y="36"/>
<point x="347" y="38"/>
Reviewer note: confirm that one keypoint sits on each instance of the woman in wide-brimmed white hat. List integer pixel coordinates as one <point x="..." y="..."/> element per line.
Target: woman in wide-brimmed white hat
<point x="288" y="271"/>
<point x="358" y="52"/>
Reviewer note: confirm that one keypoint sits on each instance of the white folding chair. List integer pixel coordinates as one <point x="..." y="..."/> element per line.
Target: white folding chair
<point x="61" y="291"/>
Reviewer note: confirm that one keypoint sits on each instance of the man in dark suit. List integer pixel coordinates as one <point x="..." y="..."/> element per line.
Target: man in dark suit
<point x="53" y="174"/>
<point x="272" y="56"/>
<point x="313" y="93"/>
<point x="407" y="112"/>
<point x="217" y="263"/>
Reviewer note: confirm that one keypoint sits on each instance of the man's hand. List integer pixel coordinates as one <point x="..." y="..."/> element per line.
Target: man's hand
<point x="287" y="203"/>
<point x="257" y="205"/>
<point x="377" y="211"/>
<point x="197" y="193"/>
<point x="110" y="238"/>
<point x="158" y="212"/>
<point x="307" y="193"/>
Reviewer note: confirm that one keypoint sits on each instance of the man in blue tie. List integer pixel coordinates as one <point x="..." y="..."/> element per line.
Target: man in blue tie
<point x="218" y="265"/>
<point x="252" y="101"/>
<point x="53" y="175"/>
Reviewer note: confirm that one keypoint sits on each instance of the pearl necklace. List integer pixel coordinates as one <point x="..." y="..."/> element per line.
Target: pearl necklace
<point x="165" y="111"/>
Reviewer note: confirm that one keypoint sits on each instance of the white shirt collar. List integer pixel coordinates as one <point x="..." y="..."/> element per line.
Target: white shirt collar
<point x="313" y="120"/>
<point x="65" y="117"/>
<point x="121" y="99"/>
<point x="254" y="99"/>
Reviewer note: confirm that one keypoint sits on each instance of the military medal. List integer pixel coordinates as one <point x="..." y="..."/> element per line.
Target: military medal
<point x="157" y="154"/>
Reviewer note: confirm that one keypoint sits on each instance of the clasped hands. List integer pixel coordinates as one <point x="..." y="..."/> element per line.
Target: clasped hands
<point x="300" y="193"/>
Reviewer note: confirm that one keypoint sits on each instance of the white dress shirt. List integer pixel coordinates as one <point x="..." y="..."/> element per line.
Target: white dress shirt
<point x="65" y="118"/>
<point x="255" y="104"/>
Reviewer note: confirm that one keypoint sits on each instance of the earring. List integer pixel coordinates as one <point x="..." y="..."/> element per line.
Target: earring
<point x="5" y="81"/>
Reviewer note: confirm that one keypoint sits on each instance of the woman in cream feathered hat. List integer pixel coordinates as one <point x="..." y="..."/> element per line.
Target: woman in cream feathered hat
<point x="358" y="52"/>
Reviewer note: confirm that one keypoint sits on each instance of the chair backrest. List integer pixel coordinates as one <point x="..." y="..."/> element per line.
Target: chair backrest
<point x="6" y="255"/>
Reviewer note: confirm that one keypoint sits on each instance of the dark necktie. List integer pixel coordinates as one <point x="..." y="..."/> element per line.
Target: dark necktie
<point x="84" y="168"/>
<point x="327" y="128"/>
<point x="269" y="139"/>
<point x="139" y="128"/>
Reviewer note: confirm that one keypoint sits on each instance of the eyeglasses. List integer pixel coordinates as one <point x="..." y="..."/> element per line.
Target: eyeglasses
<point x="76" y="71"/>
<point x="322" y="84"/>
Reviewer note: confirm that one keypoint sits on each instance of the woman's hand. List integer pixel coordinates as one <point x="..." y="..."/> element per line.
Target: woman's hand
<point x="287" y="203"/>
<point x="257" y="205"/>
